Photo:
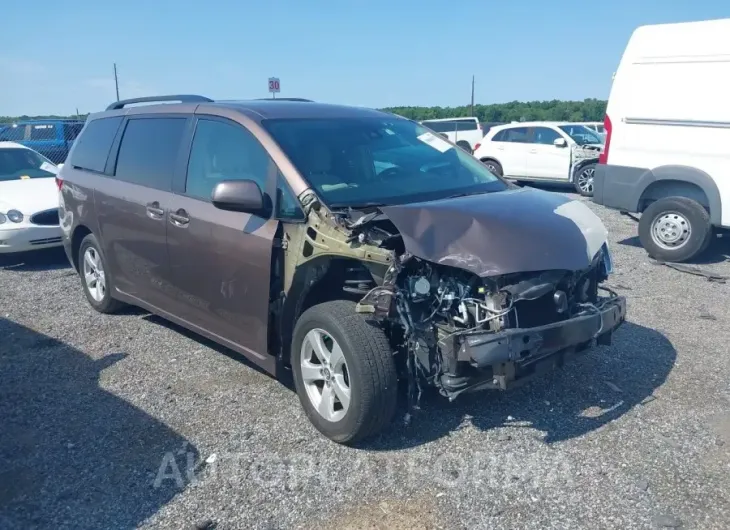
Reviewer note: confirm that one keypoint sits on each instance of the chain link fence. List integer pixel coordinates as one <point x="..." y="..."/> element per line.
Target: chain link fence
<point x="52" y="138"/>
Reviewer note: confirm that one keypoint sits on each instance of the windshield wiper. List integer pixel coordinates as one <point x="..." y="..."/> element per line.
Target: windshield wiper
<point x="465" y="194"/>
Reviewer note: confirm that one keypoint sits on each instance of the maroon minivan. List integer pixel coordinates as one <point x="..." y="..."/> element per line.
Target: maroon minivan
<point x="354" y="246"/>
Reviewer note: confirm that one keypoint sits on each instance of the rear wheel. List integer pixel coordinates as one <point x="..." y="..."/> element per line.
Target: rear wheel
<point x="344" y="372"/>
<point x="675" y="229"/>
<point x="493" y="166"/>
<point x="465" y="146"/>
<point x="583" y="180"/>
<point x="95" y="276"/>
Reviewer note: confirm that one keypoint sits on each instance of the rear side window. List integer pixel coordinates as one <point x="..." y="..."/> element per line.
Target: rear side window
<point x="44" y="131"/>
<point x="516" y="135"/>
<point x="148" y="151"/>
<point x="500" y="136"/>
<point x="466" y="125"/>
<point x="92" y="146"/>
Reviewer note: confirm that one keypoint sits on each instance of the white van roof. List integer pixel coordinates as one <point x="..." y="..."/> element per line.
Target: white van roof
<point x="680" y="40"/>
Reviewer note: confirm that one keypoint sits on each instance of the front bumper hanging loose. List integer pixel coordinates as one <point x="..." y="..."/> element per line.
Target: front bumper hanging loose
<point x="525" y="346"/>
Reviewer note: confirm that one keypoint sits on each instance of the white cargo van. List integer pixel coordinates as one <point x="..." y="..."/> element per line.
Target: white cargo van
<point x="467" y="133"/>
<point x="667" y="149"/>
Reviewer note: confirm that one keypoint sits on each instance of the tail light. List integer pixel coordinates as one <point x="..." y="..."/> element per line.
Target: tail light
<point x="59" y="183"/>
<point x="477" y="146"/>
<point x="603" y="158"/>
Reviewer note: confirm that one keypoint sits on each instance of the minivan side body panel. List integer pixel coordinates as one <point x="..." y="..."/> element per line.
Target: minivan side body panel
<point x="669" y="120"/>
<point x="221" y="263"/>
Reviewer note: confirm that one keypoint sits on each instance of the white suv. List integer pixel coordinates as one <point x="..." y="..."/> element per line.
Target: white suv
<point x="465" y="132"/>
<point x="543" y="151"/>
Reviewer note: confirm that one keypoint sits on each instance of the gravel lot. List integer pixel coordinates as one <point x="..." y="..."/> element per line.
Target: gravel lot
<point x="125" y="421"/>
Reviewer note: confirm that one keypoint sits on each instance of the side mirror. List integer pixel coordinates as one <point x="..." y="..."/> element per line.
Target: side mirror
<point x="239" y="196"/>
<point x="560" y="142"/>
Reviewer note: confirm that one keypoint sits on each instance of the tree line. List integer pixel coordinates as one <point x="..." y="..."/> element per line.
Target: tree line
<point x="555" y="110"/>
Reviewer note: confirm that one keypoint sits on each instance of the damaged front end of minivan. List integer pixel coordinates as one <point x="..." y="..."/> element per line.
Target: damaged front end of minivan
<point x="475" y="292"/>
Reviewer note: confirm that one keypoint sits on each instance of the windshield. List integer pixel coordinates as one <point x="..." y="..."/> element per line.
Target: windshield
<point x="362" y="161"/>
<point x="17" y="163"/>
<point x="581" y="134"/>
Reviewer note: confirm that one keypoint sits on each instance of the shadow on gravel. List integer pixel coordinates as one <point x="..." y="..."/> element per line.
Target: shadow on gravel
<point x="73" y="455"/>
<point x="38" y="260"/>
<point x="209" y="343"/>
<point x="717" y="252"/>
<point x="587" y="393"/>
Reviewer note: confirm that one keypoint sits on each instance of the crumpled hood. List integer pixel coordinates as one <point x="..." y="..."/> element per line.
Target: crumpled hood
<point x="518" y="230"/>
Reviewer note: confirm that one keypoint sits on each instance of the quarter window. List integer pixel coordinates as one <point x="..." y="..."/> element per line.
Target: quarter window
<point x="94" y="143"/>
<point x="224" y="151"/>
<point x="149" y="150"/>
<point x="287" y="205"/>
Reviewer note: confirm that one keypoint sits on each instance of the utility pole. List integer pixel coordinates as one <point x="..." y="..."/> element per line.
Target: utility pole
<point x="77" y="113"/>
<point x="472" y="95"/>
<point x="116" y="80"/>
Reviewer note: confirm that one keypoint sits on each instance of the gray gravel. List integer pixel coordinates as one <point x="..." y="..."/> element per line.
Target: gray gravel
<point x="100" y="417"/>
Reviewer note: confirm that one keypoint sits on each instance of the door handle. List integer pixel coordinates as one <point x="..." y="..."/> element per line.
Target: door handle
<point x="154" y="211"/>
<point x="533" y="151"/>
<point x="179" y="218"/>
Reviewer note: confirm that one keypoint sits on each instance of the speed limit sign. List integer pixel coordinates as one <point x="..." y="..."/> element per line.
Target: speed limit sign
<point x="274" y="85"/>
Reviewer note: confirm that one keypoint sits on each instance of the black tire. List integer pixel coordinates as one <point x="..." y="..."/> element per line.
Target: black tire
<point x="107" y="304"/>
<point x="590" y="168"/>
<point x="465" y="146"/>
<point x="696" y="223"/>
<point x="370" y="365"/>
<point x="493" y="166"/>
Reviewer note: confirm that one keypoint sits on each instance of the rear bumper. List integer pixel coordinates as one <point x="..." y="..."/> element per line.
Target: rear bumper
<point x="620" y="187"/>
<point x="527" y="347"/>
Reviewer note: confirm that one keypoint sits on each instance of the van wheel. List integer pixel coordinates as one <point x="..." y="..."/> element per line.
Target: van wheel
<point x="344" y="372"/>
<point x="95" y="276"/>
<point x="675" y="229"/>
<point x="465" y="146"/>
<point x="583" y="180"/>
<point x="493" y="166"/>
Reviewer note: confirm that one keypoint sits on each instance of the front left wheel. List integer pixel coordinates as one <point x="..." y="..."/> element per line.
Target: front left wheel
<point x="344" y="372"/>
<point x="583" y="180"/>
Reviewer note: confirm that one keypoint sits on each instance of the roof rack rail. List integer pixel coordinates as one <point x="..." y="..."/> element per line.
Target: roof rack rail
<point x="181" y="98"/>
<point x="285" y="99"/>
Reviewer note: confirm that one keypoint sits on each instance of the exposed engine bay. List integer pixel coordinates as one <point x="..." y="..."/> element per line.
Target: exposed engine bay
<point x="437" y="307"/>
<point x="474" y="295"/>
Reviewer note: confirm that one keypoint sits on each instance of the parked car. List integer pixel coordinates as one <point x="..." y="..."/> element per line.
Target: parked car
<point x="467" y="133"/>
<point x="266" y="227"/>
<point x="28" y="200"/>
<point x="51" y="138"/>
<point x="668" y="128"/>
<point x="542" y="152"/>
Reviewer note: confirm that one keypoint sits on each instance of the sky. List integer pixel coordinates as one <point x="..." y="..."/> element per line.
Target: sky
<point x="57" y="56"/>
